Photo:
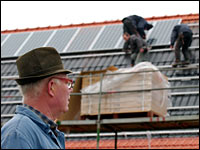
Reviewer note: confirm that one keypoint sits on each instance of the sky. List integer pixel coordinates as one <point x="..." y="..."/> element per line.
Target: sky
<point x="33" y="14"/>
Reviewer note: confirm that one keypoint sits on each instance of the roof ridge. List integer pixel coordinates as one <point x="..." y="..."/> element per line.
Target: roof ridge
<point x="185" y="18"/>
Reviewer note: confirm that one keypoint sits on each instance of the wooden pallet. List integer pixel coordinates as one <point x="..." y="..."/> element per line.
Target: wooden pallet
<point x="121" y="115"/>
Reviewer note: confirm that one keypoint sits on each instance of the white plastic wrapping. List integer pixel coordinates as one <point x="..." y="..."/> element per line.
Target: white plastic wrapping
<point x="115" y="82"/>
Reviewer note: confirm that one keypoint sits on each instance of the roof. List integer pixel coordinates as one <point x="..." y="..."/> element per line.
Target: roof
<point x="185" y="99"/>
<point x="84" y="38"/>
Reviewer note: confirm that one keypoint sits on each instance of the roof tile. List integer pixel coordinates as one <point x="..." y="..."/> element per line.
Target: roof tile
<point x="155" y="143"/>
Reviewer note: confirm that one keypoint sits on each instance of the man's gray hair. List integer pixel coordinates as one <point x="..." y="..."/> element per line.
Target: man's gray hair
<point x="33" y="89"/>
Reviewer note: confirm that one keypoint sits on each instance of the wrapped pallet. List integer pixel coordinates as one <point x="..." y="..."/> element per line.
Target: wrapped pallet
<point x="129" y="90"/>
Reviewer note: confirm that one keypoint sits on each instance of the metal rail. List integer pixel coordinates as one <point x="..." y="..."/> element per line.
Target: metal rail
<point x="160" y="68"/>
<point x="184" y="93"/>
<point x="168" y="68"/>
<point x="130" y="91"/>
<point x="169" y="108"/>
<point x="183" y="78"/>
<point x="185" y="131"/>
<point x="7" y="115"/>
<point x="183" y="107"/>
<point x="11" y="102"/>
<point x="111" y="92"/>
<point x="84" y="55"/>
<point x="172" y="94"/>
<point x="169" y="79"/>
<point x="99" y="112"/>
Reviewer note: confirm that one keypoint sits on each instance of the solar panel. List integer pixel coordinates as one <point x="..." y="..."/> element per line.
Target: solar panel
<point x="161" y="32"/>
<point x="3" y="37"/>
<point x="37" y="39"/>
<point x="84" y="39"/>
<point x="109" y="37"/>
<point x="61" y="38"/>
<point x="13" y="43"/>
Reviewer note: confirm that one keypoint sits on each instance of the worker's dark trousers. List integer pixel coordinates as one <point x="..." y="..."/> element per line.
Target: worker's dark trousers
<point x="139" y="57"/>
<point x="184" y="40"/>
<point x="125" y="46"/>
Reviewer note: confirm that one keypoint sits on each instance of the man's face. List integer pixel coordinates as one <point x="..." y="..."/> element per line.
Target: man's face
<point x="62" y="94"/>
<point x="126" y="37"/>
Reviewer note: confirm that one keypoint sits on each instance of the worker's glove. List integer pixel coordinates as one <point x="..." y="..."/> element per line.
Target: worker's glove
<point x="144" y="49"/>
<point x="141" y="50"/>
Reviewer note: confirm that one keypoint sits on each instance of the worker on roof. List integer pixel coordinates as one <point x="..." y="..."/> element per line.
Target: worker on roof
<point x="137" y="47"/>
<point x="136" y="25"/>
<point x="182" y="35"/>
<point x="46" y="89"/>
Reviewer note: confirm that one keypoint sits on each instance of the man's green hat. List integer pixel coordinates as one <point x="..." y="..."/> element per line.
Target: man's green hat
<point x="38" y="64"/>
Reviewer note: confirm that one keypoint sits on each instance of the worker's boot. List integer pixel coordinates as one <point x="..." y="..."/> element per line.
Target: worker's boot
<point x="186" y="62"/>
<point x="177" y="62"/>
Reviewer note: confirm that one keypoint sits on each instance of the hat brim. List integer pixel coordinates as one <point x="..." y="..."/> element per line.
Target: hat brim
<point x="29" y="79"/>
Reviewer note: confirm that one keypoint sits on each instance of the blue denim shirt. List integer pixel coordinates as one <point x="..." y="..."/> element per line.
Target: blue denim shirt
<point x="26" y="130"/>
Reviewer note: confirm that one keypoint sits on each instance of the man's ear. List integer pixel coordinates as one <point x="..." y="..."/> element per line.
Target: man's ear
<point x="51" y="88"/>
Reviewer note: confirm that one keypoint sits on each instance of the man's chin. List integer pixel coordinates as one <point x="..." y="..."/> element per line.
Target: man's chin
<point x="66" y="109"/>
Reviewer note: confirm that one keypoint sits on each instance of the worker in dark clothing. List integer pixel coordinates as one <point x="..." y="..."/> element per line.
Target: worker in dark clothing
<point x="136" y="25"/>
<point x="182" y="35"/>
<point x="137" y="47"/>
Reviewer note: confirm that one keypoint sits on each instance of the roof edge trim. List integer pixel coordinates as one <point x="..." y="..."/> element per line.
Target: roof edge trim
<point x="185" y="18"/>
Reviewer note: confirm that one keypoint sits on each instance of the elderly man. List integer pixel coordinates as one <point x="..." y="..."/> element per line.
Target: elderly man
<point x="46" y="91"/>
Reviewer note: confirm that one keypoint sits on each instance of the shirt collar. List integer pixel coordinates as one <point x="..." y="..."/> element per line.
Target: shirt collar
<point x="46" y="120"/>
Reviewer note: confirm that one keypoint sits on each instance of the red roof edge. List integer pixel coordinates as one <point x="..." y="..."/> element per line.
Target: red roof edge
<point x="140" y="143"/>
<point x="187" y="18"/>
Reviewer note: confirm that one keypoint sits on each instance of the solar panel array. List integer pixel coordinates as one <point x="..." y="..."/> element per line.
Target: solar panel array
<point x="81" y="38"/>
